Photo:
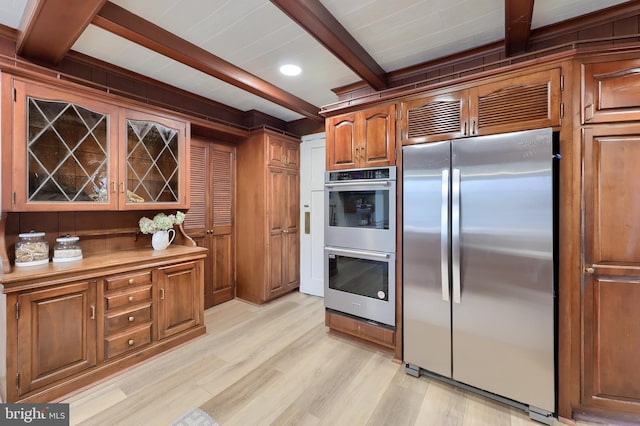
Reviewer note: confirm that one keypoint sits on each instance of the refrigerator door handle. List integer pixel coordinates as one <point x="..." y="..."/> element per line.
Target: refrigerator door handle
<point x="444" y="236"/>
<point x="455" y="234"/>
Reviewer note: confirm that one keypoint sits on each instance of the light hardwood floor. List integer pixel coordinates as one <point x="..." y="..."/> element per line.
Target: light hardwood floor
<point x="277" y="364"/>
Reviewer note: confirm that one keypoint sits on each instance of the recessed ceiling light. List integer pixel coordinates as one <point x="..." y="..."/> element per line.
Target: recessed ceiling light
<point x="290" y="69"/>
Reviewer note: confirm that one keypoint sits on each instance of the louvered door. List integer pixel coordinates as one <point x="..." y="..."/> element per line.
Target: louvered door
<point x="209" y="221"/>
<point x="527" y="102"/>
<point x="221" y="248"/>
<point x="435" y="118"/>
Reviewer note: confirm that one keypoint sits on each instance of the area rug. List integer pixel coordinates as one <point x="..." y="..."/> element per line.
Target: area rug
<point x="195" y="417"/>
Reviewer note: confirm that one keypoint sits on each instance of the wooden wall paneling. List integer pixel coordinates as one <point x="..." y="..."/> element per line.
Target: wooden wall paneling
<point x="630" y="25"/>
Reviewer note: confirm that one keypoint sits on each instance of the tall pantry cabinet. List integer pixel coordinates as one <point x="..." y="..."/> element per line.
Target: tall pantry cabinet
<point x="268" y="201"/>
<point x="610" y="113"/>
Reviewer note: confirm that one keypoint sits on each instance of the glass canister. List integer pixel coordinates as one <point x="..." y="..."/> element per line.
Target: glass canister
<point x="32" y="249"/>
<point x="67" y="249"/>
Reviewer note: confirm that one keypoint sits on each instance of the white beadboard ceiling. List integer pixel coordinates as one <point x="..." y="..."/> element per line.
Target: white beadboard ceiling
<point x="258" y="37"/>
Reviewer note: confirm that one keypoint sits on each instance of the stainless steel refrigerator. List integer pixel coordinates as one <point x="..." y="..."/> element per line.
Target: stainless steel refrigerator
<point x="478" y="265"/>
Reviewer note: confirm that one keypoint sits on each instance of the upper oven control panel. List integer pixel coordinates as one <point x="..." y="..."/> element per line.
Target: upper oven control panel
<point x="381" y="173"/>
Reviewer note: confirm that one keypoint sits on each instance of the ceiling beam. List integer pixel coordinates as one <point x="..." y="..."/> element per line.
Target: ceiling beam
<point x="313" y="17"/>
<point x="125" y="24"/>
<point x="517" y="25"/>
<point x="50" y="27"/>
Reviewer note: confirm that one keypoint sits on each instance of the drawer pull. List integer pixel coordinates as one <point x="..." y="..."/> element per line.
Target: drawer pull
<point x="131" y="319"/>
<point x="130" y="280"/>
<point x="131" y="342"/>
<point x="162" y="293"/>
<point x="93" y="312"/>
<point x="131" y="298"/>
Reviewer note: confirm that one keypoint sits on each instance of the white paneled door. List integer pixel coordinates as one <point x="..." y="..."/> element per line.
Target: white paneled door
<point x="312" y="167"/>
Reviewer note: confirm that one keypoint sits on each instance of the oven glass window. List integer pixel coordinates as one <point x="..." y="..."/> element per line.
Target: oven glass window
<point x="369" y="278"/>
<point x="359" y="209"/>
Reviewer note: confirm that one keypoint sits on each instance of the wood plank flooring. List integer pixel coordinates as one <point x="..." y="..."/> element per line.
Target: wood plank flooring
<point x="277" y="364"/>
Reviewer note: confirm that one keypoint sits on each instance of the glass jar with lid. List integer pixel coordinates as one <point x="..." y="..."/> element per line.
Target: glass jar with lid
<point x="32" y="249"/>
<point x="67" y="249"/>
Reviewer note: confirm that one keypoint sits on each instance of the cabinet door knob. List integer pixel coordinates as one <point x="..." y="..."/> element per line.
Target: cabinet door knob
<point x="93" y="312"/>
<point x="162" y="294"/>
<point x="590" y="270"/>
<point x="131" y="342"/>
<point x="131" y="319"/>
<point x="130" y="280"/>
<point x="131" y="298"/>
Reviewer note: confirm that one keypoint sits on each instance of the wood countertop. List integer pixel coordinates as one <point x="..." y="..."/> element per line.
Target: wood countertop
<point x="91" y="267"/>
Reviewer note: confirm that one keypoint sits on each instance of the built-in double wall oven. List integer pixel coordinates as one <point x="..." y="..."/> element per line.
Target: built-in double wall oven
<point x="360" y="243"/>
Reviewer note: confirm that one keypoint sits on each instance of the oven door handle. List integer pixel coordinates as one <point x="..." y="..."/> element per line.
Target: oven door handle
<point x="382" y="184"/>
<point x="360" y="253"/>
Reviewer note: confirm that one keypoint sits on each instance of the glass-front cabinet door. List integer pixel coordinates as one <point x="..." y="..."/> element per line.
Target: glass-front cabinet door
<point x="155" y="152"/>
<point x="63" y="151"/>
<point x="73" y="152"/>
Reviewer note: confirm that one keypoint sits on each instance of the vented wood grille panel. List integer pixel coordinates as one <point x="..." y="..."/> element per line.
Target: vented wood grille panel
<point x="222" y="188"/>
<point x="195" y="217"/>
<point x="433" y="118"/>
<point x="513" y="105"/>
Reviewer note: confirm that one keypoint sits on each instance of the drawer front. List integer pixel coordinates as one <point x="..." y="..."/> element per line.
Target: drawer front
<point x="129" y="318"/>
<point x="132" y="297"/>
<point x="125" y="342"/>
<point x="122" y="281"/>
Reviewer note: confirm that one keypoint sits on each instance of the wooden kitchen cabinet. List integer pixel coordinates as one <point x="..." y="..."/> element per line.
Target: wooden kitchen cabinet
<point x="210" y="219"/>
<point x="127" y="312"/>
<point x="361" y="139"/>
<point x="435" y="117"/>
<point x="56" y="334"/>
<point x="67" y="326"/>
<point x="268" y="203"/>
<point x="611" y="91"/>
<point x="611" y="320"/>
<point x="180" y="304"/>
<point x="283" y="244"/>
<point x="376" y="333"/>
<point x="155" y="164"/>
<point x="284" y="153"/>
<point x="520" y="102"/>
<point x="80" y="152"/>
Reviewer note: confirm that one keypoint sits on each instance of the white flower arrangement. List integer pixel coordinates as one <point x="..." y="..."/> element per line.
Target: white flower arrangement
<point x="160" y="222"/>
